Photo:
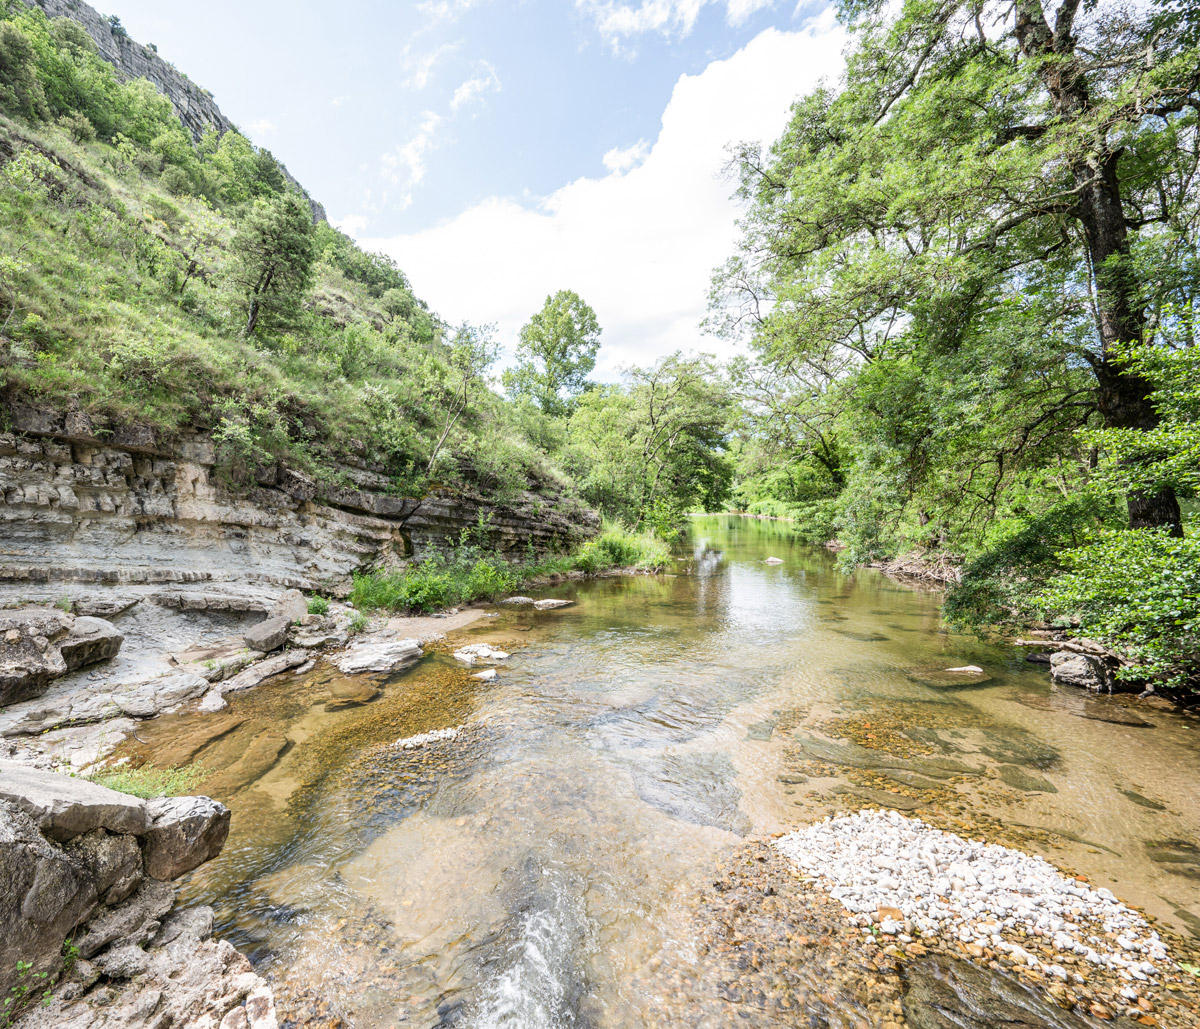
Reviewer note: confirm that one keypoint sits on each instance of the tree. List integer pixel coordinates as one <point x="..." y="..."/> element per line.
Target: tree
<point x="472" y="352"/>
<point x="556" y="353"/>
<point x="986" y="192"/>
<point x="200" y="240"/>
<point x="646" y="450"/>
<point x="275" y="256"/>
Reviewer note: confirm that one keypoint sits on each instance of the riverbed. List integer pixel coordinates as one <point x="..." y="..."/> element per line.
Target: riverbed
<point x="542" y="864"/>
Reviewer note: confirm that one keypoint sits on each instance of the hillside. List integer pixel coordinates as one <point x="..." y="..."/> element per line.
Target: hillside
<point x="135" y="251"/>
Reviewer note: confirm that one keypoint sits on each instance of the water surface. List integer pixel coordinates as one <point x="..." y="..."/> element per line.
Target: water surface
<point x="537" y="869"/>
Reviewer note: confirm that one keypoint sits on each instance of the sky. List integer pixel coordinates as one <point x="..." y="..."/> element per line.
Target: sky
<point x="501" y="150"/>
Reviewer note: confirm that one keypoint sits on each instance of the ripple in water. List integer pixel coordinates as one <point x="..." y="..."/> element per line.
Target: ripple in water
<point x="535" y="977"/>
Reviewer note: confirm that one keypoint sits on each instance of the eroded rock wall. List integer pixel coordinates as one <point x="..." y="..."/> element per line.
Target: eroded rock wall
<point x="84" y="506"/>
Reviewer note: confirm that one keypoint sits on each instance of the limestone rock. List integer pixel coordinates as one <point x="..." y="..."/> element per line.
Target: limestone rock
<point x="384" y="656"/>
<point x="350" y="693"/>
<point x="487" y="675"/>
<point x="90" y="640"/>
<point x="29" y="656"/>
<point x="183" y="833"/>
<point x="269" y="635"/>
<point x="113" y="862"/>
<point x="551" y="603"/>
<point x="135" y="921"/>
<point x="291" y="606"/>
<point x="773" y="561"/>
<point x="213" y="702"/>
<point x="517" y="601"/>
<point x="1091" y="672"/>
<point x="63" y="807"/>
<point x="256" y="673"/>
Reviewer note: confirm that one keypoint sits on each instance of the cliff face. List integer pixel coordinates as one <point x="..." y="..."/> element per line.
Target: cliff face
<point x="118" y="508"/>
<point x="194" y="105"/>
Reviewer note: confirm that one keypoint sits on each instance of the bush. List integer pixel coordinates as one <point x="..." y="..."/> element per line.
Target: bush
<point x="1138" y="590"/>
<point x="318" y="606"/>
<point x="78" y="127"/>
<point x="621" y="547"/>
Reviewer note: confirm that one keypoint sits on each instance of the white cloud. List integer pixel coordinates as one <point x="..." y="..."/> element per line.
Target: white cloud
<point x="620" y="160"/>
<point x="617" y="21"/>
<point x="639" y="246"/>
<point x="262" y="127"/>
<point x="445" y="10"/>
<point x="352" y="224"/>
<point x="476" y="87"/>
<point x="404" y="165"/>
<point x="420" y="66"/>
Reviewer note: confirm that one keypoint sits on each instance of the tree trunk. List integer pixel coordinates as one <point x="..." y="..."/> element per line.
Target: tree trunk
<point x="1123" y="397"/>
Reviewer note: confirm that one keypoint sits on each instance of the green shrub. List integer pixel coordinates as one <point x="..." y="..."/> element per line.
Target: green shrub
<point x="318" y="606"/>
<point x="358" y="622"/>
<point x="1138" y="590"/>
<point x="620" y="547"/>
<point x="149" y="781"/>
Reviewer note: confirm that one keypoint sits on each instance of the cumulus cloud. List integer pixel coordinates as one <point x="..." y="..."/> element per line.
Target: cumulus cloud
<point x="638" y="244"/>
<point x="617" y="21"/>
<point x="476" y="87"/>
<point x="262" y="127"/>
<point x="445" y="10"/>
<point x="622" y="159"/>
<point x="352" y="224"/>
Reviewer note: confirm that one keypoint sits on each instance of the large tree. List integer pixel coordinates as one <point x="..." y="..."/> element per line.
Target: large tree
<point x="993" y="187"/>
<point x="556" y="353"/>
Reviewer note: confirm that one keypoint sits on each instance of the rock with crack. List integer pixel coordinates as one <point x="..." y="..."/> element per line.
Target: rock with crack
<point x="183" y="833"/>
<point x="385" y="656"/>
<point x="290" y="606"/>
<point x="256" y="673"/>
<point x="29" y="655"/>
<point x="90" y="640"/>
<point x="1088" y="671"/>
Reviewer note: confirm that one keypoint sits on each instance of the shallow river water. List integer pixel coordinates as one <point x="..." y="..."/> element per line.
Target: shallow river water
<point x="536" y="869"/>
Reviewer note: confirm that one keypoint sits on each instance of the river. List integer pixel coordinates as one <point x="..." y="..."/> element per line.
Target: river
<point x="535" y="869"/>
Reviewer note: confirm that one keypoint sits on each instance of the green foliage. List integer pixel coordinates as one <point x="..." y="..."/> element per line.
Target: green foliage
<point x="358" y="623"/>
<point x="469" y="573"/>
<point x="1139" y="591"/>
<point x="26" y="990"/>
<point x="652" y="449"/>
<point x="618" y="546"/>
<point x="556" y="354"/>
<point x="275" y="249"/>
<point x="318" y="605"/>
<point x="147" y="781"/>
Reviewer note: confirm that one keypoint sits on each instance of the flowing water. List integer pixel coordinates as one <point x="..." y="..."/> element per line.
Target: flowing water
<point x="540" y="867"/>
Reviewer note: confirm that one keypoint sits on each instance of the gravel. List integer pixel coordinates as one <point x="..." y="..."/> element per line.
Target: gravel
<point x="898" y="876"/>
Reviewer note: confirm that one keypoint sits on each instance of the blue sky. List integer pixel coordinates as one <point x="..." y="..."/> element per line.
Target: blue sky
<point x="503" y="150"/>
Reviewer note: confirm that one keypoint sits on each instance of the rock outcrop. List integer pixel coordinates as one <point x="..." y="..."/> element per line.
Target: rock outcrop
<point x="148" y="519"/>
<point x="39" y="645"/>
<point x="83" y="864"/>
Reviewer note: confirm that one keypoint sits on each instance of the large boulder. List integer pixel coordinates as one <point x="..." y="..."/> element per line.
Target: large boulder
<point x="29" y="655"/>
<point x="384" y="656"/>
<point x="1087" y="671"/>
<point x="269" y="635"/>
<point x="291" y="605"/>
<point x="63" y="807"/>
<point x="184" y="832"/>
<point x="90" y="640"/>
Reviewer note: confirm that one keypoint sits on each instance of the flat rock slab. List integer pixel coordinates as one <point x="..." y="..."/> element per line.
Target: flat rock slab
<point x="350" y="693"/>
<point x="551" y="604"/>
<point x="63" y="807"/>
<point x="256" y="673"/>
<point x="378" y="657"/>
<point x="256" y="760"/>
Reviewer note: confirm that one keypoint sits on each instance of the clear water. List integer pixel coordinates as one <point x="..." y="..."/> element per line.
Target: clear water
<point x="534" y="871"/>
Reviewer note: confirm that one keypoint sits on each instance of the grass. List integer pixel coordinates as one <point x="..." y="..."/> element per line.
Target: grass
<point x="149" y="781"/>
<point x="469" y="574"/>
